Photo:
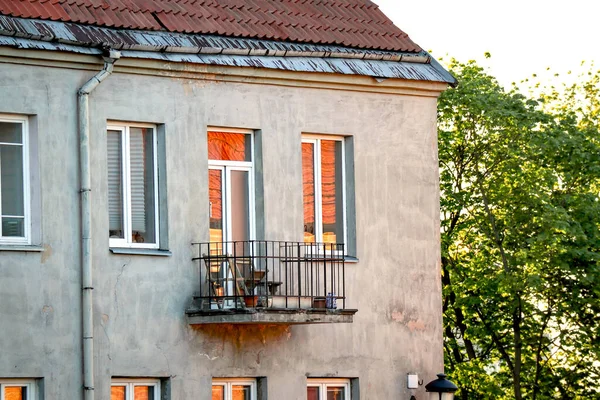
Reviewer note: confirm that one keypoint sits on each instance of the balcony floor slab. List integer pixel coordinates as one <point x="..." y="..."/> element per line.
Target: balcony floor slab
<point x="269" y="316"/>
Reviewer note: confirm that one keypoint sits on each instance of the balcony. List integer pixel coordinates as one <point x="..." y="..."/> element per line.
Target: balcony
<point x="270" y="282"/>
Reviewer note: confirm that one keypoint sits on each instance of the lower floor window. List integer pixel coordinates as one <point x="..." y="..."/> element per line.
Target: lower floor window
<point x="234" y="389"/>
<point x="142" y="389"/>
<point x="14" y="389"/>
<point x="328" y="389"/>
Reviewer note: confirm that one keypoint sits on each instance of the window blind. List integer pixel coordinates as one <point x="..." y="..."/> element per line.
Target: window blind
<point x="137" y="179"/>
<point x="115" y="184"/>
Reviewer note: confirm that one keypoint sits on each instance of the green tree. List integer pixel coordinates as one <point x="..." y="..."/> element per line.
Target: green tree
<point x="520" y="184"/>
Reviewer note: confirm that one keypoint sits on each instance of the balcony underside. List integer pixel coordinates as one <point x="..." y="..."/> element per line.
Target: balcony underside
<point x="283" y="316"/>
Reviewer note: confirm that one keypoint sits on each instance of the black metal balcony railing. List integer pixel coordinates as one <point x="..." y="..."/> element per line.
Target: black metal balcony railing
<point x="271" y="275"/>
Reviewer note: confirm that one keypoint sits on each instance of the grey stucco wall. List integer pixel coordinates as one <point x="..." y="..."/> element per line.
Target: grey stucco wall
<point x="139" y="301"/>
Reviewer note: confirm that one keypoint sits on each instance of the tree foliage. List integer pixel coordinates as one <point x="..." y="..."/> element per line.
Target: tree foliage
<point x="520" y="184"/>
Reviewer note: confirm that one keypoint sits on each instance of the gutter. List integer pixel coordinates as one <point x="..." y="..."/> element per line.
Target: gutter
<point x="87" y="312"/>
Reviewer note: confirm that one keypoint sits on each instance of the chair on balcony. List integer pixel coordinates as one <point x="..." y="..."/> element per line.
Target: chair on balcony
<point x="220" y="271"/>
<point x="257" y="280"/>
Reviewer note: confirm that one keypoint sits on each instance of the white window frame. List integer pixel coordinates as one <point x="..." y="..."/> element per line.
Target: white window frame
<point x="26" y="240"/>
<point x="323" y="384"/>
<point x="126" y="242"/>
<point x="226" y="167"/>
<point x="28" y="383"/>
<point x="130" y="385"/>
<point x="228" y="384"/>
<point x="315" y="140"/>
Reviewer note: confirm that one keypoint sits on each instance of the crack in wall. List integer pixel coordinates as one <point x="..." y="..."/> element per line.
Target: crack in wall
<point x="103" y="325"/>
<point x="166" y="359"/>
<point x="116" y="286"/>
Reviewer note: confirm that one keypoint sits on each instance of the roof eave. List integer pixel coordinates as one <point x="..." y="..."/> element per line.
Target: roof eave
<point x="221" y="50"/>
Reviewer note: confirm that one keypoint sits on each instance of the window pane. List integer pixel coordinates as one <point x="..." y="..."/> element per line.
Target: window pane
<point x="331" y="189"/>
<point x="218" y="393"/>
<point x="215" y="198"/>
<point x="115" y="185"/>
<point x="240" y="392"/>
<point x="308" y="189"/>
<point x="15" y="393"/>
<point x="312" y="393"/>
<point x="229" y="146"/>
<point x="117" y="393"/>
<point x="336" y="393"/>
<point x="143" y="393"/>
<point x="11" y="180"/>
<point x="13" y="227"/>
<point x="11" y="132"/>
<point x="240" y="205"/>
<point x="141" y="147"/>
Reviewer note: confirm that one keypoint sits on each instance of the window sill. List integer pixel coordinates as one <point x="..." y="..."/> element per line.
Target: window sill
<point x="140" y="252"/>
<point x="350" y="260"/>
<point x="21" y="247"/>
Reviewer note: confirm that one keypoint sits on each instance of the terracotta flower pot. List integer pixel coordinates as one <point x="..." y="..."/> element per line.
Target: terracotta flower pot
<point x="251" y="301"/>
<point x="319" y="302"/>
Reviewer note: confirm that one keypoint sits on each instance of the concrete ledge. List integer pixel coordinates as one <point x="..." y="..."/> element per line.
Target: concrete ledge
<point x="8" y="247"/>
<point x="284" y="316"/>
<point x="140" y="252"/>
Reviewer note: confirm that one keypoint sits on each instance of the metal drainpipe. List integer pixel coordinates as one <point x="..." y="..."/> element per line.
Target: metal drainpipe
<point x="87" y="312"/>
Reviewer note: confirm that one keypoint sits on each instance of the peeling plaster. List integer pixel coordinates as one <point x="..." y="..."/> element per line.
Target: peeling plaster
<point x="410" y="320"/>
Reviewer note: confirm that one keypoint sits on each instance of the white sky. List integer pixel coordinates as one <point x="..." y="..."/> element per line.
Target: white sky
<point x="523" y="36"/>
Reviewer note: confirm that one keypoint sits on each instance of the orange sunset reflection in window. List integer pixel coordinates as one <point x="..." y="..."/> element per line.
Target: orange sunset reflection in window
<point x="228" y="146"/>
<point x="330" y="182"/>
<point x="14" y="393"/>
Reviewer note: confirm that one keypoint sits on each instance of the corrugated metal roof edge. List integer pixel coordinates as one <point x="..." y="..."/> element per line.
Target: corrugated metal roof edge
<point x="450" y="79"/>
<point x="220" y="50"/>
<point x="122" y="39"/>
<point x="371" y="68"/>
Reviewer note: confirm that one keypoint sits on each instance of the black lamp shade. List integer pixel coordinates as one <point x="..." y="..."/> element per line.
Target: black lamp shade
<point x="442" y="387"/>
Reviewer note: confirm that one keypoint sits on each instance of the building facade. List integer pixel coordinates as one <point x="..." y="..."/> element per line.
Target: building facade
<point x="259" y="224"/>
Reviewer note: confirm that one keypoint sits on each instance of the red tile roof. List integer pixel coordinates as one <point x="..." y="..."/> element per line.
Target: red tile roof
<point x="350" y="23"/>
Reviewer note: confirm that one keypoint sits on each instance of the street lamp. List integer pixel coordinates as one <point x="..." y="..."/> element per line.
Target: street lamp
<point x="441" y="388"/>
